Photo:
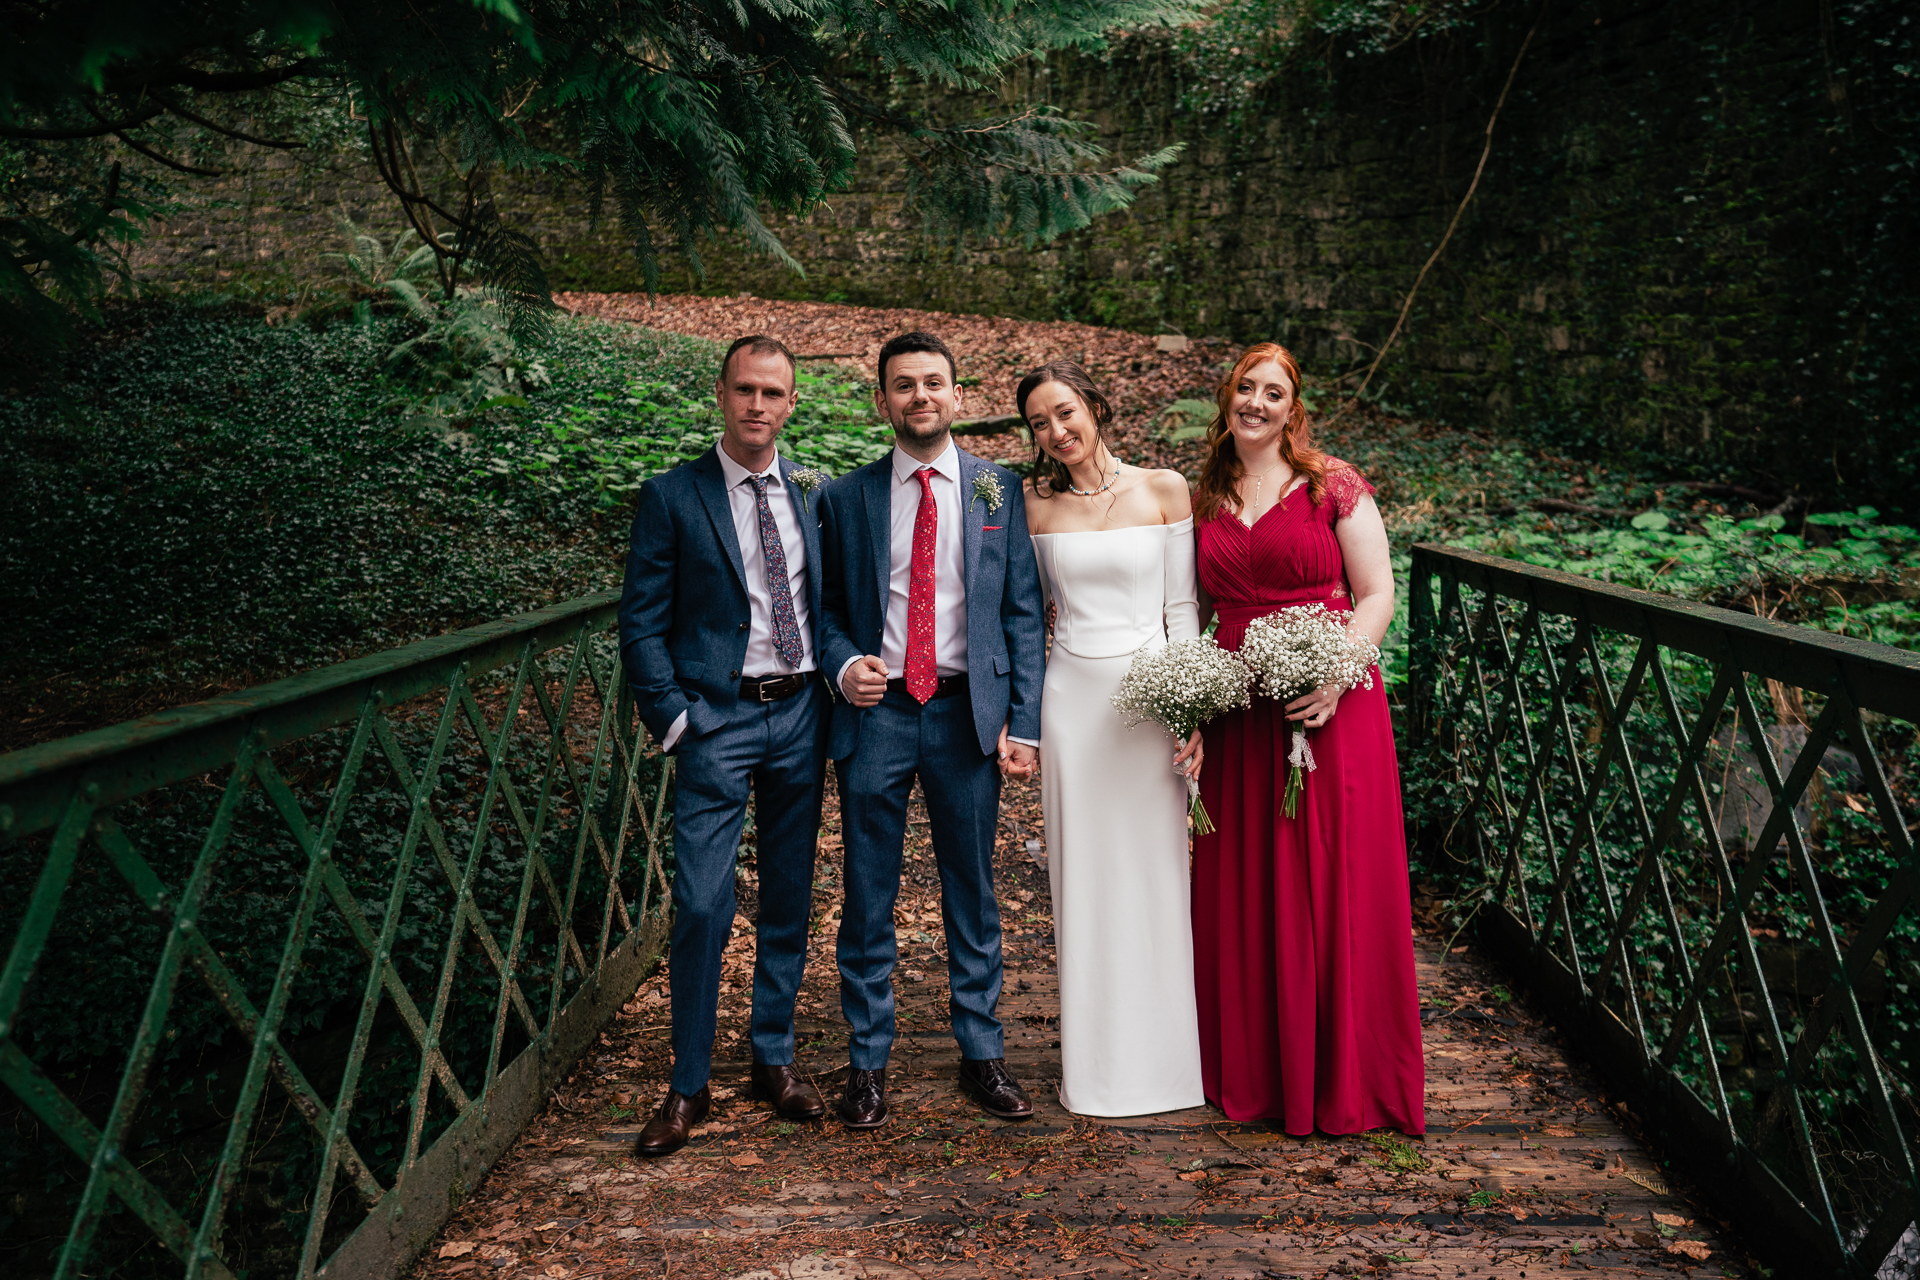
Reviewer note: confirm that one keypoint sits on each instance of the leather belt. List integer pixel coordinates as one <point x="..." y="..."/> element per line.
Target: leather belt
<point x="949" y="686"/>
<point x="773" y="688"/>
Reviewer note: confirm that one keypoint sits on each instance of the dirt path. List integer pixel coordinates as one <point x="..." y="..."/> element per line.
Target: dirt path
<point x="1524" y="1170"/>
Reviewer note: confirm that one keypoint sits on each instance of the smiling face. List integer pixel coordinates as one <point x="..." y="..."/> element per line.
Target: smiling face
<point x="919" y="398"/>
<point x="1061" y="423"/>
<point x="1260" y="407"/>
<point x="756" y="399"/>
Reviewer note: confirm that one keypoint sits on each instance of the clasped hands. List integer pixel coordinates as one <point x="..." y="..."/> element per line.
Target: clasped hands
<point x="865" y="683"/>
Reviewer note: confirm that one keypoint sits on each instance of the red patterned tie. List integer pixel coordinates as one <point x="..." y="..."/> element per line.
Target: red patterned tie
<point x="923" y="675"/>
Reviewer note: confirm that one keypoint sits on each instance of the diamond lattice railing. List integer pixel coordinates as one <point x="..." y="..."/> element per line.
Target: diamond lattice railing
<point x="1692" y="827"/>
<point x="286" y="971"/>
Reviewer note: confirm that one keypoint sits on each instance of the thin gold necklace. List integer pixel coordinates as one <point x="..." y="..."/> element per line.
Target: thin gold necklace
<point x="1260" y="480"/>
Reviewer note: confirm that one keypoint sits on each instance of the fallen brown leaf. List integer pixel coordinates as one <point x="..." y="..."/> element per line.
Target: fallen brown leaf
<point x="456" y="1248"/>
<point x="1698" y="1250"/>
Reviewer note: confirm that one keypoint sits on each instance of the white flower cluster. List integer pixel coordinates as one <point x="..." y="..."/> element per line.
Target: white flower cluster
<point x="986" y="488"/>
<point x="1182" y="686"/>
<point x="1298" y="649"/>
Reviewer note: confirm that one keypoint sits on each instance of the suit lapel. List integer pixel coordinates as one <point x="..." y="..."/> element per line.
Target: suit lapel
<point x="712" y="486"/>
<point x="973" y="514"/>
<point x="806" y="504"/>
<point x="879" y="491"/>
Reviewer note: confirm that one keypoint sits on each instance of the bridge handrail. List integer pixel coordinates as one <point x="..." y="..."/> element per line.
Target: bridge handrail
<point x="126" y="759"/>
<point x="1566" y="744"/>
<point x="555" y="820"/>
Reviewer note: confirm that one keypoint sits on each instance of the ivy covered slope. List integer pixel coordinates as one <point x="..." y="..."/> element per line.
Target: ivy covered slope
<point x="201" y="500"/>
<point x="1852" y="571"/>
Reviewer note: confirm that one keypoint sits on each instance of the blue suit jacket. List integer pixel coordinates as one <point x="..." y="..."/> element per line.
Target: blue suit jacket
<point x="1006" y="637"/>
<point x="684" y="614"/>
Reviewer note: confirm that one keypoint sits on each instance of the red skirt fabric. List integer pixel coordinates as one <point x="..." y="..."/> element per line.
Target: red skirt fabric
<point x="1302" y="927"/>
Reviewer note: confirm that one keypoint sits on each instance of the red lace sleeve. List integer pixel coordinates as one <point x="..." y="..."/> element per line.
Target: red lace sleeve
<point x="1345" y="487"/>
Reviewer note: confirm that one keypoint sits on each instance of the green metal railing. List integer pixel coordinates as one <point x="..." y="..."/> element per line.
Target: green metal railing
<point x="1691" y="828"/>
<point x="412" y="889"/>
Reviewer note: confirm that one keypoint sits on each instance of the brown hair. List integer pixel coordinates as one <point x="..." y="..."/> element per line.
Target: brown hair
<point x="758" y="344"/>
<point x="921" y="341"/>
<point x="1219" y="477"/>
<point x="1075" y="379"/>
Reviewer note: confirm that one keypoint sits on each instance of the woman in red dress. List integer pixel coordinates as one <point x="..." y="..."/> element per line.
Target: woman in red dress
<point x="1302" y="926"/>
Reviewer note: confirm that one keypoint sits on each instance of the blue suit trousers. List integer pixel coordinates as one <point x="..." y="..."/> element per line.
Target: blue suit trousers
<point x="777" y="751"/>
<point x="901" y="740"/>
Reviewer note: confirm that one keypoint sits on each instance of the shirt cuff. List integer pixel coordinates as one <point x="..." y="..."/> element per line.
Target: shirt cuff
<point x="673" y="733"/>
<point x="1025" y="742"/>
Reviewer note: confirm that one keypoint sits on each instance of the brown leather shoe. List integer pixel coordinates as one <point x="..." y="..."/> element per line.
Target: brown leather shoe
<point x="667" y="1132"/>
<point x="988" y="1082"/>
<point x="791" y="1093"/>
<point x="864" y="1105"/>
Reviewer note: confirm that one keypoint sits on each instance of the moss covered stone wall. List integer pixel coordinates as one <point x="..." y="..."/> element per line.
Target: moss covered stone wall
<point x="1692" y="235"/>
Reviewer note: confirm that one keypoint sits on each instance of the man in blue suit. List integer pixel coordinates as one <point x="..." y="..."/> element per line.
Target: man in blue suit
<point x="932" y="631"/>
<point x="719" y="628"/>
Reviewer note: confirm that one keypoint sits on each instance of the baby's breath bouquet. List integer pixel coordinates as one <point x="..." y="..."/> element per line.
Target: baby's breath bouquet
<point x="1292" y="653"/>
<point x="1182" y="686"/>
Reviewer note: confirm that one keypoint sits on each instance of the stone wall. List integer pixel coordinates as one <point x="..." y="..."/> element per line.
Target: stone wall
<point x="1683" y="228"/>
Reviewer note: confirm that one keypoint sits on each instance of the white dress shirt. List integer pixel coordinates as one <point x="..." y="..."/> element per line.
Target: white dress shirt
<point x="949" y="566"/>
<point x="743" y="505"/>
<point x="949" y="563"/>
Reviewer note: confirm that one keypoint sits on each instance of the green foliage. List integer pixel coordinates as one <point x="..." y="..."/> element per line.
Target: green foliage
<point x="465" y="357"/>
<point x="613" y="442"/>
<point x="1246" y="44"/>
<point x="1864" y="582"/>
<point x="206" y="497"/>
<point x="63" y="236"/>
<point x="692" y="117"/>
<point x="1185" y="420"/>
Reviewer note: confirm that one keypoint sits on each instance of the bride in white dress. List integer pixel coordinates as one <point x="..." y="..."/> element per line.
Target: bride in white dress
<point x="1116" y="550"/>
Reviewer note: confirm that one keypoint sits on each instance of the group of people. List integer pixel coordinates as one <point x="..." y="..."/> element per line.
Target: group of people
<point x="931" y="617"/>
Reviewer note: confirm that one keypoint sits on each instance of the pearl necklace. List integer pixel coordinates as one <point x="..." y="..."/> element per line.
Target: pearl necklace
<point x="1088" y="493"/>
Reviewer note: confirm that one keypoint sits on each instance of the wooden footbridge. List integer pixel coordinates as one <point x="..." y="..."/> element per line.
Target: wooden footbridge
<point x="356" y="975"/>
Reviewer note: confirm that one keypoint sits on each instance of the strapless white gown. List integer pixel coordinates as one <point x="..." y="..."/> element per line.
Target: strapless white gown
<point x="1117" y="825"/>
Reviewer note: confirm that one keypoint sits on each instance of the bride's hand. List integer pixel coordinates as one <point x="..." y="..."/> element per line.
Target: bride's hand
<point x="1316" y="708"/>
<point x="1190" y="755"/>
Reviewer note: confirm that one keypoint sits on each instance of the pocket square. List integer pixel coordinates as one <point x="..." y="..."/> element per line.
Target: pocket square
<point x="991" y="528"/>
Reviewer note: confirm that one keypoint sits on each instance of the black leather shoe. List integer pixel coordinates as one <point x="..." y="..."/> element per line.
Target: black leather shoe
<point x="791" y="1094"/>
<point x="667" y="1132"/>
<point x="864" y="1105"/>
<point x="988" y="1082"/>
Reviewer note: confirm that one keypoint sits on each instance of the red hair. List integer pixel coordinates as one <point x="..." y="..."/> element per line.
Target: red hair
<point x="1220" y="477"/>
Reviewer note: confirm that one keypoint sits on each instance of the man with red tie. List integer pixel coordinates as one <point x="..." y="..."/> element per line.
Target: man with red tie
<point x="932" y="634"/>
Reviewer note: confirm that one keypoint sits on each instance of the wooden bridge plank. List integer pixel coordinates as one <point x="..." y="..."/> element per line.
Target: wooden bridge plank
<point x="1525" y="1171"/>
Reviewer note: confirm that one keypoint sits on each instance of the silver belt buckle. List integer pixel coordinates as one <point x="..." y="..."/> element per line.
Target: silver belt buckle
<point x="760" y="689"/>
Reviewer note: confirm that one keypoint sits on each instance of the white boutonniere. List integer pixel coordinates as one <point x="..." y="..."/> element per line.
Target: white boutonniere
<point x="986" y="488"/>
<point x="806" y="479"/>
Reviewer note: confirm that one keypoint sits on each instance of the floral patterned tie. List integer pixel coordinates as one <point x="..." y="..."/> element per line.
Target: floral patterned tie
<point x="923" y="676"/>
<point x="786" y="629"/>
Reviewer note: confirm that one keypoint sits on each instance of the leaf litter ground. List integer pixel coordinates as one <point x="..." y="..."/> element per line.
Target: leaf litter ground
<point x="1524" y="1171"/>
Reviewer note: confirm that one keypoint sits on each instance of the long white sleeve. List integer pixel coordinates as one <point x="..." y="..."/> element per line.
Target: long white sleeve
<point x="1182" y="609"/>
